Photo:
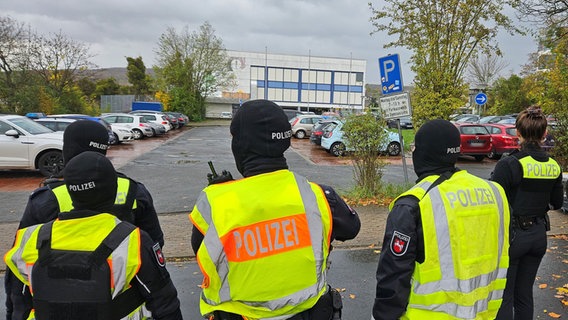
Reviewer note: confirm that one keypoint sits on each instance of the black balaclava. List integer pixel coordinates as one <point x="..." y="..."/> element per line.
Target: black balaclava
<point x="261" y="133"/>
<point x="436" y="148"/>
<point x="91" y="181"/>
<point x="84" y="135"/>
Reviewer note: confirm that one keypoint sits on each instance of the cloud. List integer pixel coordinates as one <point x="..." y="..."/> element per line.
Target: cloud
<point x="115" y="29"/>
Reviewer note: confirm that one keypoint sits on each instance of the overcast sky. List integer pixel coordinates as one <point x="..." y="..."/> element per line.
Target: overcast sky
<point x="115" y="29"/>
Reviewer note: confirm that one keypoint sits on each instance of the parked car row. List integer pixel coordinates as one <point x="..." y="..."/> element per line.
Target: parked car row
<point x="35" y="142"/>
<point x="474" y="118"/>
<point x="328" y="134"/>
<point x="490" y="139"/>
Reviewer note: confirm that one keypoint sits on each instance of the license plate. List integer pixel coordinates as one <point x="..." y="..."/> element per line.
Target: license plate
<point x="476" y="143"/>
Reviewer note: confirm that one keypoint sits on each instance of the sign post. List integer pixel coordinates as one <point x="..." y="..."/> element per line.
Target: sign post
<point x="394" y="106"/>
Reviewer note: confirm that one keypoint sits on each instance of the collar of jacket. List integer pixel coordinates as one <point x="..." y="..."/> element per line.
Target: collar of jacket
<point x="74" y="214"/>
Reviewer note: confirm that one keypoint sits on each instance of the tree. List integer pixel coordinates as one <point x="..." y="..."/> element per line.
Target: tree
<point x="195" y="65"/>
<point x="59" y="60"/>
<point x="136" y="71"/>
<point x="483" y="70"/>
<point x="108" y="86"/>
<point x="13" y="57"/>
<point x="364" y="133"/>
<point x="509" y="95"/>
<point x="442" y="35"/>
<point x="552" y="13"/>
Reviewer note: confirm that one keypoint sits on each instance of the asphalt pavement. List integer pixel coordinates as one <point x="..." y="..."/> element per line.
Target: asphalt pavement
<point x="175" y="173"/>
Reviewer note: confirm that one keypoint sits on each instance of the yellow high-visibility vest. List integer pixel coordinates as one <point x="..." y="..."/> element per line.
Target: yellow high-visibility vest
<point x="66" y="204"/>
<point x="533" y="169"/>
<point x="80" y="234"/>
<point x="465" y="222"/>
<point x="265" y="247"/>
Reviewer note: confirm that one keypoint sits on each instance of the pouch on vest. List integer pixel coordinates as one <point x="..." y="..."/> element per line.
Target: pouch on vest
<point x="74" y="284"/>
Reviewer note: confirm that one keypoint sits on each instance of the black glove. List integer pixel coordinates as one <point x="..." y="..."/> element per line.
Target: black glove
<point x="223" y="177"/>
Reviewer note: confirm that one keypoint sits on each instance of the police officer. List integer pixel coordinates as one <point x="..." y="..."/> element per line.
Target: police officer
<point x="533" y="183"/>
<point x="80" y="265"/>
<point x="133" y="203"/>
<point x="444" y="252"/>
<point x="263" y="241"/>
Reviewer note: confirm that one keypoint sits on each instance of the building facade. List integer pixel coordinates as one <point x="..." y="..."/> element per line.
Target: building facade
<point x="306" y="83"/>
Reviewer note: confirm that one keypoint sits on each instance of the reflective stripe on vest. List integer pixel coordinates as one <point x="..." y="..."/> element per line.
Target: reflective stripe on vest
<point x="66" y="204"/>
<point x="533" y="169"/>
<point x="84" y="235"/>
<point x="471" y="285"/>
<point x="266" y="240"/>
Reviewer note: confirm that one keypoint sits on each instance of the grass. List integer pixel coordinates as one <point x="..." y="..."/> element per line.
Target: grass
<point x="383" y="197"/>
<point x="407" y="136"/>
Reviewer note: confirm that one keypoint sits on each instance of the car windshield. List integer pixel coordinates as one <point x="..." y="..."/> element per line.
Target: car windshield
<point x="30" y="126"/>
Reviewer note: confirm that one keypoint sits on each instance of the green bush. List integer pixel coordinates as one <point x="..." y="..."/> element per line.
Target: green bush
<point x="364" y="134"/>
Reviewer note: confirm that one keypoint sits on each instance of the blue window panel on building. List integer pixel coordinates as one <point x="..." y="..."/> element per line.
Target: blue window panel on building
<point x="323" y="87"/>
<point x="290" y="85"/>
<point x="308" y="86"/>
<point x="344" y="88"/>
<point x="275" y="84"/>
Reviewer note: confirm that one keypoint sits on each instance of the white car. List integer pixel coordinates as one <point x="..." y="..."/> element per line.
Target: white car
<point x="136" y="123"/>
<point x="158" y="118"/>
<point x="122" y="133"/>
<point x="26" y="144"/>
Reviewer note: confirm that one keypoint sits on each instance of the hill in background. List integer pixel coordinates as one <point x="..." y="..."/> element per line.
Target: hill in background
<point x="119" y="74"/>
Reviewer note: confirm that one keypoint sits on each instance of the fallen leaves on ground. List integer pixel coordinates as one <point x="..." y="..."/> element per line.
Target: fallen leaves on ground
<point x="542" y="286"/>
<point x="554" y="315"/>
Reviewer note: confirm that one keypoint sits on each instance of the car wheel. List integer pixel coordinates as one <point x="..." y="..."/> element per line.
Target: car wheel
<point x="300" y="134"/>
<point x="50" y="163"/>
<point x="337" y="149"/>
<point x="393" y="149"/>
<point x="479" y="158"/>
<point x="116" y="139"/>
<point x="137" y="134"/>
<point x="493" y="155"/>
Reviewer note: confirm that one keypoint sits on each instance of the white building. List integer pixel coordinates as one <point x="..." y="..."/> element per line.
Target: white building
<point x="306" y="83"/>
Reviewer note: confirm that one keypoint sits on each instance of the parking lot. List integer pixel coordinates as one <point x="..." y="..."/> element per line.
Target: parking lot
<point x="174" y="171"/>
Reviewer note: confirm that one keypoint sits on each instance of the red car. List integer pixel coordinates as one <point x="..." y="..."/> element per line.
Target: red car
<point x="475" y="140"/>
<point x="504" y="139"/>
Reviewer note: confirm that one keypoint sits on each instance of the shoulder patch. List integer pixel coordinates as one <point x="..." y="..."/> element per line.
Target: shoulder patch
<point x="399" y="243"/>
<point x="159" y="255"/>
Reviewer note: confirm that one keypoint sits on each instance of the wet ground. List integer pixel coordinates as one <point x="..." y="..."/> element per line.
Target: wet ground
<point x="120" y="154"/>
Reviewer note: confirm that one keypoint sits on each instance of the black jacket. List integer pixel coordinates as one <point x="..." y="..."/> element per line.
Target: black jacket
<point x="152" y="279"/>
<point x="394" y="272"/>
<point x="43" y="207"/>
<point x="509" y="173"/>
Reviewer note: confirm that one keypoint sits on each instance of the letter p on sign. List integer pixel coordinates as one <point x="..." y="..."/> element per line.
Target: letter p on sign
<point x="391" y="76"/>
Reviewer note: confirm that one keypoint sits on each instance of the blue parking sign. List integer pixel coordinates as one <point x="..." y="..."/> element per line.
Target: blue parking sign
<point x="391" y="77"/>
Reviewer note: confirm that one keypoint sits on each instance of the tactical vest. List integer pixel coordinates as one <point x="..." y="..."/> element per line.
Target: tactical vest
<point x="532" y="196"/>
<point x="78" y="268"/>
<point x="265" y="247"/>
<point x="124" y="204"/>
<point x="69" y="270"/>
<point x="465" y="222"/>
